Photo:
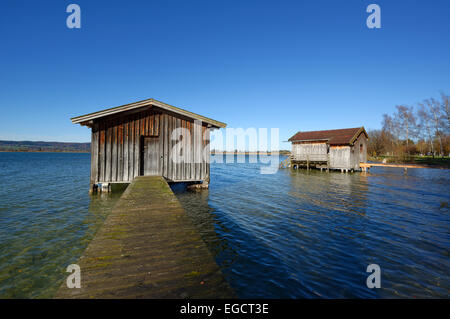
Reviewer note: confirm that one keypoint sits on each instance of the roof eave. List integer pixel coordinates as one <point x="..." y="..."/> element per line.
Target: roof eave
<point x="311" y="140"/>
<point x="194" y="116"/>
<point x="355" y="137"/>
<point x="110" y="111"/>
<point x="150" y="102"/>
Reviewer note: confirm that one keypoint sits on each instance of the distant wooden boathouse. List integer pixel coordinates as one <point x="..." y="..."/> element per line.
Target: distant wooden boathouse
<point x="342" y="149"/>
<point x="139" y="139"/>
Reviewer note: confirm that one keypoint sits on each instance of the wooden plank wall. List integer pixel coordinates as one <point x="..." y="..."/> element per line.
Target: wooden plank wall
<point x="313" y="151"/>
<point x="115" y="148"/>
<point x="340" y="157"/>
<point x="358" y="157"/>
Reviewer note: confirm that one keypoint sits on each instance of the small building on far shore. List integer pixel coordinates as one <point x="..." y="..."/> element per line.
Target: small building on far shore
<point x="341" y="149"/>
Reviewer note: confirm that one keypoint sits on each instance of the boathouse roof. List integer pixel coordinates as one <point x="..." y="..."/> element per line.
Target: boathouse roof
<point x="345" y="136"/>
<point x="143" y="105"/>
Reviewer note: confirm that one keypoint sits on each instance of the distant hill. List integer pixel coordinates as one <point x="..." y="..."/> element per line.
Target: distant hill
<point x="30" y="146"/>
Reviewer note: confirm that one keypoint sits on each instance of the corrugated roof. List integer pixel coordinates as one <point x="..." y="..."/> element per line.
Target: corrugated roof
<point x="145" y="103"/>
<point x="333" y="137"/>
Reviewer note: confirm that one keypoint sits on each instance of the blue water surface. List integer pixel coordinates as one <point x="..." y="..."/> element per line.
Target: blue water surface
<point x="292" y="234"/>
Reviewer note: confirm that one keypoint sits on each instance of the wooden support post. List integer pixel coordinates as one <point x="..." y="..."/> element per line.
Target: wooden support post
<point x="405" y="170"/>
<point x="328" y="163"/>
<point x="307" y="162"/>
<point x="106" y="187"/>
<point x="198" y="186"/>
<point x="93" y="189"/>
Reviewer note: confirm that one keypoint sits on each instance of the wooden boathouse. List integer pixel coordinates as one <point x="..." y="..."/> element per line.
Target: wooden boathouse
<point x="145" y="138"/>
<point x="341" y="149"/>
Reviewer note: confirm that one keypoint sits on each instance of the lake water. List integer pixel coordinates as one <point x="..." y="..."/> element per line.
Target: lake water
<point x="293" y="234"/>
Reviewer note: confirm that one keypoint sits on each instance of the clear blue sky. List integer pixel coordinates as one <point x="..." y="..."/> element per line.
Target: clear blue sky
<point x="296" y="65"/>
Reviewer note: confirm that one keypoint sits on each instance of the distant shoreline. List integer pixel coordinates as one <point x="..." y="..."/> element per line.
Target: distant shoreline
<point x="42" y="146"/>
<point x="87" y="152"/>
<point x="76" y="147"/>
<point x="44" y="151"/>
<point x="250" y="153"/>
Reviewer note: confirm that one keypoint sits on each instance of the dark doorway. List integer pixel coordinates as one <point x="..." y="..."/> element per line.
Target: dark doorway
<point x="361" y="152"/>
<point x="150" y="157"/>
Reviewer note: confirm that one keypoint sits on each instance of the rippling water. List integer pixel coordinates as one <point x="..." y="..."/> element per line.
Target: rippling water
<point x="294" y="234"/>
<point x="46" y="219"/>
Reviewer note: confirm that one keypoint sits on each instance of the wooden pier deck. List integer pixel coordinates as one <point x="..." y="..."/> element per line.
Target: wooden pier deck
<point x="148" y="248"/>
<point x="369" y="165"/>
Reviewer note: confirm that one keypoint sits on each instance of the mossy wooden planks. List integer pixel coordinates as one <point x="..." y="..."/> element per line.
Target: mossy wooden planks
<point x="148" y="248"/>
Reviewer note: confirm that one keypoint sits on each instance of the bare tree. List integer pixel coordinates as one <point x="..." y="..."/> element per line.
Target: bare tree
<point x="434" y="107"/>
<point x="407" y="123"/>
<point x="425" y="125"/>
<point x="445" y="110"/>
<point x="377" y="142"/>
<point x="389" y="127"/>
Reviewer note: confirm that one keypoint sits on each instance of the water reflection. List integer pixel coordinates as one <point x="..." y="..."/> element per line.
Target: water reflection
<point x="205" y="220"/>
<point x="299" y="234"/>
<point x="331" y="207"/>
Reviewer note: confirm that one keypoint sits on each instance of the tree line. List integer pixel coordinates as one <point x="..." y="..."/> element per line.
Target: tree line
<point x="32" y="146"/>
<point x="421" y="129"/>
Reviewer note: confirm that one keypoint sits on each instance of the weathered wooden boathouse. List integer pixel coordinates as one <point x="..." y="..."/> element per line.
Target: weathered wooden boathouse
<point x="148" y="137"/>
<point x="341" y="149"/>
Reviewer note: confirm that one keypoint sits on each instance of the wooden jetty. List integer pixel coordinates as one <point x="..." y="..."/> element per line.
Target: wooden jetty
<point x="148" y="248"/>
<point x="366" y="166"/>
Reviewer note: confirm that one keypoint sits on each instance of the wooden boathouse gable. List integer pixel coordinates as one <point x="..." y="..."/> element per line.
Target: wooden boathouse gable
<point x="137" y="139"/>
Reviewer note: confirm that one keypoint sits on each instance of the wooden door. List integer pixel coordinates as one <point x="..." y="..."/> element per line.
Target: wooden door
<point x="150" y="157"/>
